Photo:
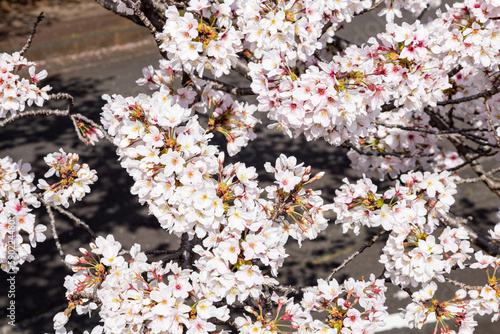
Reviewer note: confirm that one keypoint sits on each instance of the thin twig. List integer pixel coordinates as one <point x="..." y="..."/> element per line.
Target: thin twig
<point x="71" y="216"/>
<point x="60" y="113"/>
<point x="348" y="144"/>
<point x="329" y="24"/>
<point x="479" y="178"/>
<point x="158" y="251"/>
<point x="356" y="253"/>
<point x="32" y="34"/>
<point x="438" y="122"/>
<point x="44" y="112"/>
<point x="432" y="132"/>
<point x="56" y="237"/>
<point x="183" y="253"/>
<point x="268" y="305"/>
<point x="463" y="285"/>
<point x="369" y="9"/>
<point x="454" y="71"/>
<point x="287" y="289"/>
<point x="467" y="162"/>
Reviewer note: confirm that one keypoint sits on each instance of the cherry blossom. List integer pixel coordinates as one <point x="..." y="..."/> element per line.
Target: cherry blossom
<point x="392" y="101"/>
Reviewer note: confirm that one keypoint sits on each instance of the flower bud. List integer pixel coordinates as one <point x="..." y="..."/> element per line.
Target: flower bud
<point x="460" y="294"/>
<point x="474" y="294"/>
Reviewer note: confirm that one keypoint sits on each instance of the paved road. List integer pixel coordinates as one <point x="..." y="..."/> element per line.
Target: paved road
<point x="111" y="209"/>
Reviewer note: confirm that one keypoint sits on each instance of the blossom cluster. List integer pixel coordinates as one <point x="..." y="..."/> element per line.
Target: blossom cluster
<point x="16" y="203"/>
<point x="75" y="179"/>
<point x="424" y="303"/>
<point x="407" y="66"/>
<point x="182" y="179"/>
<point x="461" y="309"/>
<point x="210" y="35"/>
<point x="356" y="306"/>
<point x="232" y="118"/>
<point x="339" y="100"/>
<point x="17" y="92"/>
<point x="136" y="296"/>
<point x="292" y="29"/>
<point x="411" y="212"/>
<point x="464" y="37"/>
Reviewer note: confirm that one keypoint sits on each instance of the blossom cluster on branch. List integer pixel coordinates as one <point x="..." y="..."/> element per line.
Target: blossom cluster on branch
<point x="391" y="101"/>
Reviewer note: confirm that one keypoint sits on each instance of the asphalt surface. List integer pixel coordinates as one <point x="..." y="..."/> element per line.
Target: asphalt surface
<point x="110" y="208"/>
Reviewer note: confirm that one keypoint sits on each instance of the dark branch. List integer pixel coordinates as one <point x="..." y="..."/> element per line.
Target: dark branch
<point x="64" y="96"/>
<point x="147" y="23"/>
<point x="55" y="235"/>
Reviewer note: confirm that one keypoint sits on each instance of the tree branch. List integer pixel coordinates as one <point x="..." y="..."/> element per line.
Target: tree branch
<point x="463" y="285"/>
<point x="348" y="144"/>
<point x="68" y="214"/>
<point x="356" y="253"/>
<point x="32" y="34"/>
<point x="113" y="7"/>
<point x="479" y="178"/>
<point x="234" y="90"/>
<point x="147" y="23"/>
<point x="64" y="96"/>
<point x="56" y="237"/>
<point x="477" y="238"/>
<point x="490" y="92"/>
